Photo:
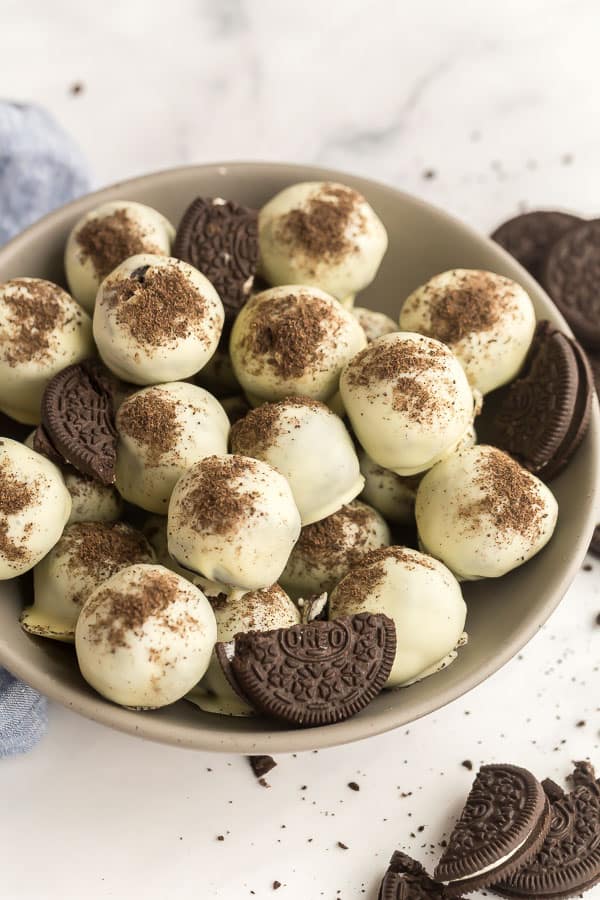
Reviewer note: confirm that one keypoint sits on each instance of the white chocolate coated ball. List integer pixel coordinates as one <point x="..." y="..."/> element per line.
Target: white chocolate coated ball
<point x="322" y="234"/>
<point x="487" y="319"/>
<point x="156" y="319"/>
<point x="233" y="520"/>
<point x="373" y="323"/>
<point x="105" y="237"/>
<point x="91" y="500"/>
<point x="34" y="507"/>
<point x="420" y="595"/>
<point x="392" y="495"/>
<point x="42" y="330"/>
<point x="408" y="400"/>
<point x="293" y="341"/>
<point x="310" y="446"/>
<point x="482" y="514"/>
<point x="163" y="430"/>
<point x="87" y="554"/>
<point x="326" y="550"/>
<point x="144" y="638"/>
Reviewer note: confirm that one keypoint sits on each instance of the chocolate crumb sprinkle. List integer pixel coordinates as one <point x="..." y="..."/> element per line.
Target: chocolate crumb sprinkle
<point x="129" y="610"/>
<point x="108" y="240"/>
<point x="339" y="541"/>
<point x="103" y="548"/>
<point x="150" y="418"/>
<point x="474" y="306"/>
<point x="217" y="502"/>
<point x="259" y="429"/>
<point x="321" y="228"/>
<point x="34" y="311"/>
<point x="510" y="496"/>
<point x="291" y="334"/>
<point x="15" y="496"/>
<point x="397" y="365"/>
<point x="161" y="309"/>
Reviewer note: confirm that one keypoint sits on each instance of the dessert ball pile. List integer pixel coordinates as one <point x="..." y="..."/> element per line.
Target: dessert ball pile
<point x="245" y="490"/>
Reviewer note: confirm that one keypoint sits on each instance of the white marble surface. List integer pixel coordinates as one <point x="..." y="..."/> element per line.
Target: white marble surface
<point x="498" y="105"/>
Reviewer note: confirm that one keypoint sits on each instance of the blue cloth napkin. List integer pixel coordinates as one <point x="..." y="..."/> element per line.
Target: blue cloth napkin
<point x="40" y="169"/>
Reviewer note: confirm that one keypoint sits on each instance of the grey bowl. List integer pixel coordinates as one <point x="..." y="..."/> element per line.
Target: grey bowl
<point x="504" y="614"/>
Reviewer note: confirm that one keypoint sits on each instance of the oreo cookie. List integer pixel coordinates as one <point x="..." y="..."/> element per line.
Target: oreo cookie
<point x="42" y="444"/>
<point x="530" y="236"/>
<point x="406" y="879"/>
<point x="220" y="238"/>
<point x="317" y="673"/>
<point x="78" y="416"/>
<point x="568" y="862"/>
<point x="571" y="275"/>
<point x="502" y="827"/>
<point x="542" y="417"/>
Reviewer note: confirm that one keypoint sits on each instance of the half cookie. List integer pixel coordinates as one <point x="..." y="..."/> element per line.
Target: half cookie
<point x="316" y="673"/>
<point x="542" y="417"/>
<point x="569" y="861"/>
<point x="503" y="825"/>
<point x="406" y="879"/>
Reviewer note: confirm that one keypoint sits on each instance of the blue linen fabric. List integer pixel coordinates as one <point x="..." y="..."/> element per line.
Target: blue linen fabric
<point x="40" y="169"/>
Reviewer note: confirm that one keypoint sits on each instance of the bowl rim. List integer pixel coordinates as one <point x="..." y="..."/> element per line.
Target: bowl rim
<point x="161" y="730"/>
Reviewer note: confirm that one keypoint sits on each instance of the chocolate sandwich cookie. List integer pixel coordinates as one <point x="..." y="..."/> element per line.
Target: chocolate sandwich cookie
<point x="406" y="879"/>
<point x="568" y="862"/>
<point x="316" y="673"/>
<point x="78" y="416"/>
<point x="42" y="444"/>
<point x="220" y="238"/>
<point x="571" y="276"/>
<point x="542" y="417"/>
<point x="530" y="236"/>
<point x="503" y="825"/>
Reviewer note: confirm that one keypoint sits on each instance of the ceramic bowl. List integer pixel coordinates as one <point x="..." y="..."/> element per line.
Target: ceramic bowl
<point x="504" y="613"/>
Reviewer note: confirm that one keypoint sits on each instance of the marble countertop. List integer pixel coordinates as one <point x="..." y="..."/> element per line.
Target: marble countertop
<point x="482" y="109"/>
